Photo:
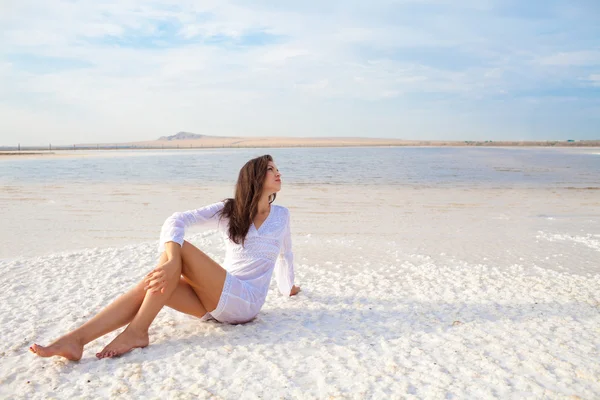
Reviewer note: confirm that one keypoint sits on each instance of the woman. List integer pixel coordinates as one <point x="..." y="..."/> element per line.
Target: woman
<point x="258" y="242"/>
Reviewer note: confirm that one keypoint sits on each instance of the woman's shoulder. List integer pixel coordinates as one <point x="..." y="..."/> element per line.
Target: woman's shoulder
<point x="281" y="209"/>
<point x="282" y="213"/>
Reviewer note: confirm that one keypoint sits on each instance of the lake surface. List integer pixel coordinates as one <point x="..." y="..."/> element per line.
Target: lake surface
<point x="418" y="166"/>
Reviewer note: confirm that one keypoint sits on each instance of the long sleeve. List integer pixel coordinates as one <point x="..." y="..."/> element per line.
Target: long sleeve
<point x="284" y="267"/>
<point x="173" y="230"/>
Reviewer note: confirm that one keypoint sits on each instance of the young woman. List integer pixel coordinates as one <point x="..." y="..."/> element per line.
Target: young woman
<point x="258" y="242"/>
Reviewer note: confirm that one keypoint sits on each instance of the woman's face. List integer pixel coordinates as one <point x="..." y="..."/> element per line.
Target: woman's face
<point x="272" y="179"/>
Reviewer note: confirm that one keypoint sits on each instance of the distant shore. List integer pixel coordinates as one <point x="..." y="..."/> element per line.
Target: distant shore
<point x="211" y="142"/>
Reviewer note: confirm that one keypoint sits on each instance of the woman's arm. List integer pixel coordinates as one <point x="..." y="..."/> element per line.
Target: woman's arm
<point x="284" y="267"/>
<point x="157" y="279"/>
<point x="172" y="250"/>
<point x="173" y="229"/>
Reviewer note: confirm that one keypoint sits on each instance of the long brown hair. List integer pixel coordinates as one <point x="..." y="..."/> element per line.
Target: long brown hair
<point x="242" y="209"/>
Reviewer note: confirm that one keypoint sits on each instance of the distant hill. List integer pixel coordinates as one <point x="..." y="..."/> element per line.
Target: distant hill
<point x="182" y="136"/>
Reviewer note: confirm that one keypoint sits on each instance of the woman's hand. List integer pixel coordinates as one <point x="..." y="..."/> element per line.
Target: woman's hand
<point x="156" y="280"/>
<point x="295" y="290"/>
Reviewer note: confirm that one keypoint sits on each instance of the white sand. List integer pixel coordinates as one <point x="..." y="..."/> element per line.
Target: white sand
<point x="407" y="293"/>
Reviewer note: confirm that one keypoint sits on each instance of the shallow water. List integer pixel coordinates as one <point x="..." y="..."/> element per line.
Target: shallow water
<point x="407" y="166"/>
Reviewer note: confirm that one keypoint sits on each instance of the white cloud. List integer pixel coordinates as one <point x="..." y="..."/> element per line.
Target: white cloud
<point x="346" y="65"/>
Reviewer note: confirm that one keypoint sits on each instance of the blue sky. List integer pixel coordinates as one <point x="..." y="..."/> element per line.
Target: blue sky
<point x="116" y="71"/>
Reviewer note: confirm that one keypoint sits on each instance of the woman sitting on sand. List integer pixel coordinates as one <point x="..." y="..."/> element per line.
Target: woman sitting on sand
<point x="257" y="236"/>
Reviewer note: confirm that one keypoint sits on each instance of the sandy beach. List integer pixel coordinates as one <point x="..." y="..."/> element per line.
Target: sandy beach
<point x="425" y="294"/>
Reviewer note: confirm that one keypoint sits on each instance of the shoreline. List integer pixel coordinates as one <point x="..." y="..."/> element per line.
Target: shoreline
<point x="215" y="142"/>
<point x="417" y="207"/>
<point x="87" y="150"/>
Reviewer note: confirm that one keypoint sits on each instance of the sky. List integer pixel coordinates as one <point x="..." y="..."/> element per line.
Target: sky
<point x="130" y="70"/>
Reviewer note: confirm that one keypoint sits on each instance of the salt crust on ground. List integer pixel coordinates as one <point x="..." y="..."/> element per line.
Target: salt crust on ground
<point x="392" y="325"/>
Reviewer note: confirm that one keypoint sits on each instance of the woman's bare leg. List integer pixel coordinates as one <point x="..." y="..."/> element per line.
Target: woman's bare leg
<point x="206" y="278"/>
<point x="204" y="274"/>
<point x="136" y="333"/>
<point x="116" y="315"/>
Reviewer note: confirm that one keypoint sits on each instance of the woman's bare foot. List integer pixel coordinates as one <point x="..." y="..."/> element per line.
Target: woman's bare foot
<point x="68" y="346"/>
<point x="126" y="341"/>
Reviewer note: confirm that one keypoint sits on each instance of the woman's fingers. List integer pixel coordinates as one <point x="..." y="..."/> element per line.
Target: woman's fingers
<point x="156" y="282"/>
<point x="148" y="277"/>
<point x="154" y="271"/>
<point x="155" y="286"/>
<point x="157" y="274"/>
<point x="159" y="287"/>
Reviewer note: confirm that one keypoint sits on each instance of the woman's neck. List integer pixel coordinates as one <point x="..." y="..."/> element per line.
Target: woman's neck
<point x="264" y="207"/>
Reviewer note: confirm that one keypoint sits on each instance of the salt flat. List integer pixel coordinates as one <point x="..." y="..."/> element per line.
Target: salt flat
<point x="407" y="293"/>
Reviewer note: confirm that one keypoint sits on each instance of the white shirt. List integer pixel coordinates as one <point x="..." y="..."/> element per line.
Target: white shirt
<point x="265" y="249"/>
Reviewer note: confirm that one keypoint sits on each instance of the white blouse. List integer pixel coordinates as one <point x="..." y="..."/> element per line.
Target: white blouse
<point x="265" y="249"/>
